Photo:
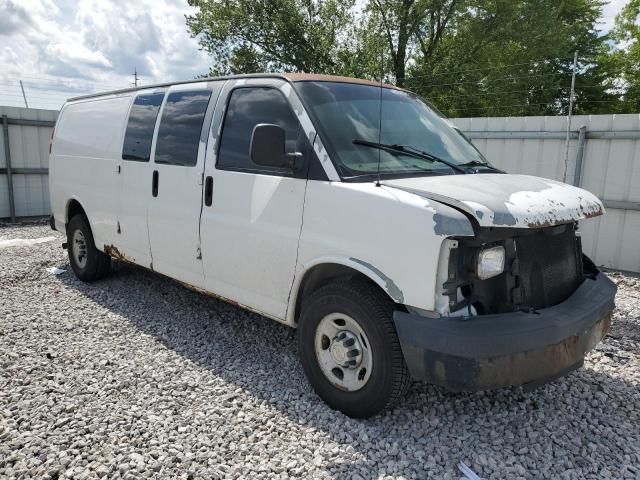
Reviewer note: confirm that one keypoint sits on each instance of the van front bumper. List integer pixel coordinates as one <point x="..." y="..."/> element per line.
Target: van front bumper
<point x="490" y="351"/>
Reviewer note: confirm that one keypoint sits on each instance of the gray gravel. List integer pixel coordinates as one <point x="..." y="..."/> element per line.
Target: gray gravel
<point x="137" y="377"/>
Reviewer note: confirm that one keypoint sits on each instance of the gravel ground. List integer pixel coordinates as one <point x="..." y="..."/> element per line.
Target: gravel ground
<point x="137" y="377"/>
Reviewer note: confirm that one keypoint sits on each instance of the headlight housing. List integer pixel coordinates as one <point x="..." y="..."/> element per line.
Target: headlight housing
<point x="490" y="262"/>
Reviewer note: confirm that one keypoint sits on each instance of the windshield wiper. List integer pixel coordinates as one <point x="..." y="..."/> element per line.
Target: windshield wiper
<point x="478" y="163"/>
<point x="409" y="150"/>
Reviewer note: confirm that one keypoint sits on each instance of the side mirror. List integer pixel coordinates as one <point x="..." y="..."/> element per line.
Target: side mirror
<point x="268" y="148"/>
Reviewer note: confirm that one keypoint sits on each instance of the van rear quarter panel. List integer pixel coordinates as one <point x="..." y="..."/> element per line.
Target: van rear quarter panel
<point x="85" y="155"/>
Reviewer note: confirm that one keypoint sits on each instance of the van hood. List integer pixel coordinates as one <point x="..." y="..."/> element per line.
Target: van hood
<point x="504" y="200"/>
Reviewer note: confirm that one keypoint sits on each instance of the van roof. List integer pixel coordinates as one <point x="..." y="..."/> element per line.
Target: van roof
<point x="291" y="77"/>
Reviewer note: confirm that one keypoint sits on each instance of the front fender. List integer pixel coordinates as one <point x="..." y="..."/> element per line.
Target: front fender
<point x="370" y="271"/>
<point x="391" y="236"/>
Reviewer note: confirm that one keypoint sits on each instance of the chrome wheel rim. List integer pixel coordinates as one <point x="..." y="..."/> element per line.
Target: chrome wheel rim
<point x="343" y="352"/>
<point x="79" y="248"/>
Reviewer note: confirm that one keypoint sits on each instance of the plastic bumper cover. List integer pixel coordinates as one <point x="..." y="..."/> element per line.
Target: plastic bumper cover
<point x="490" y="351"/>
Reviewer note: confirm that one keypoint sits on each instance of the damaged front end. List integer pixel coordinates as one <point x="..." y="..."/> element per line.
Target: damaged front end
<point x="542" y="267"/>
<point x="527" y="325"/>
<point x="517" y="303"/>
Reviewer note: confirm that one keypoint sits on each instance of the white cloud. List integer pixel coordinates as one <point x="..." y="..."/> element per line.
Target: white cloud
<point x="62" y="48"/>
<point x="609" y="12"/>
<point x="78" y="55"/>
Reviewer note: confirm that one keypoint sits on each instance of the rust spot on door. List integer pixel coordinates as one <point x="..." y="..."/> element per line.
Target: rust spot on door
<point x="113" y="252"/>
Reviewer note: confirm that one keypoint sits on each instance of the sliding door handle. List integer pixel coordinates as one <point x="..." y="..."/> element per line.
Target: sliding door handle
<point x="154" y="184"/>
<point x="208" y="191"/>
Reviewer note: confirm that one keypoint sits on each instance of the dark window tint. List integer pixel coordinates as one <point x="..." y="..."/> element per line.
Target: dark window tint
<point x="180" y="127"/>
<point x="247" y="108"/>
<point x="142" y="121"/>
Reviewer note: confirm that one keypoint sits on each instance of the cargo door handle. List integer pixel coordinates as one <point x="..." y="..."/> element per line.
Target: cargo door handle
<point x="154" y="184"/>
<point x="208" y="191"/>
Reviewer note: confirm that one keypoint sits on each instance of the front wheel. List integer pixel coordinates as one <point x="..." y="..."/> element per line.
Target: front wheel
<point x="350" y="350"/>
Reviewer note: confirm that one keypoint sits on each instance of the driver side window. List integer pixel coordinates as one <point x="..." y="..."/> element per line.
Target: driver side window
<point x="248" y="107"/>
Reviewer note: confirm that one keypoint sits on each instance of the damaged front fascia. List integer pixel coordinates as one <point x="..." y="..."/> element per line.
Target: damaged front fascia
<point x="515" y="201"/>
<point x="592" y="210"/>
<point x="451" y="223"/>
<point x="540" y="212"/>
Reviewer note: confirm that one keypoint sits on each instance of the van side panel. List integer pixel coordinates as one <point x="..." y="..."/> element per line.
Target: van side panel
<point x="84" y="162"/>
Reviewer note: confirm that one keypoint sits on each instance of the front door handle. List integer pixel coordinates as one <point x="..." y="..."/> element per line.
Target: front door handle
<point x="154" y="184"/>
<point x="208" y="191"/>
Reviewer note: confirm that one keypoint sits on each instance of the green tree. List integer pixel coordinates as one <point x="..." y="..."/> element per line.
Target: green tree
<point x="515" y="58"/>
<point x="245" y="36"/>
<point x="625" y="58"/>
<point x="470" y="57"/>
<point x="411" y="26"/>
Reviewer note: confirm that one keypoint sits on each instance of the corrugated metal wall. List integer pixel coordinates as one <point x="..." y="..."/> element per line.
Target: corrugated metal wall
<point x="29" y="150"/>
<point x="528" y="145"/>
<point x="610" y="169"/>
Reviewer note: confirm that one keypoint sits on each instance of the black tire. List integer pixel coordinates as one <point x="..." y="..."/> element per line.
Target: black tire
<point x="97" y="264"/>
<point x="372" y="310"/>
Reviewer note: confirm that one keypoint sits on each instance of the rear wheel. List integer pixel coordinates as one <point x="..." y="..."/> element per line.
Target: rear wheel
<point x="349" y="348"/>
<point x="87" y="262"/>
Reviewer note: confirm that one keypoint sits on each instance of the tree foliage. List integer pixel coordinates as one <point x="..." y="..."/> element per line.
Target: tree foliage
<point x="245" y="36"/>
<point x="469" y="57"/>
<point x="515" y="58"/>
<point x="625" y="60"/>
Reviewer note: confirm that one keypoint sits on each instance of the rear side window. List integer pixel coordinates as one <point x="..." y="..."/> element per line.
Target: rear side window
<point x="249" y="106"/>
<point x="142" y="121"/>
<point x="180" y="127"/>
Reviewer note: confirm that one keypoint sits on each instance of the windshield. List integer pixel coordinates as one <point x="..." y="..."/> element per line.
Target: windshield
<point x="344" y="112"/>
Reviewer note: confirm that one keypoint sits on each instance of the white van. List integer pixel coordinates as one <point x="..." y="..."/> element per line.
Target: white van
<point x="349" y="210"/>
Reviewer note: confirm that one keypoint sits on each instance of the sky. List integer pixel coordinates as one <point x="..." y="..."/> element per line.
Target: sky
<point x="62" y="48"/>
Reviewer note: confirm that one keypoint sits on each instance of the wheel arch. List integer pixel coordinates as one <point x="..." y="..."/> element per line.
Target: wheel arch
<point x="323" y="271"/>
<point x="72" y="208"/>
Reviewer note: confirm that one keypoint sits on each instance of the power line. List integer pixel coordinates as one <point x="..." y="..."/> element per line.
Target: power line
<point x="58" y="87"/>
<point x="55" y="89"/>
<point x="500" y="93"/>
<point x="543" y="61"/>
<point x="40" y="79"/>
<point x="485" y="81"/>
<point x="513" y="107"/>
<point x="38" y="93"/>
<point x="494" y="107"/>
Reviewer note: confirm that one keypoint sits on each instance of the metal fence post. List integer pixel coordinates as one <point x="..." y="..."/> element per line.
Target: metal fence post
<point x="7" y="156"/>
<point x="582" y="136"/>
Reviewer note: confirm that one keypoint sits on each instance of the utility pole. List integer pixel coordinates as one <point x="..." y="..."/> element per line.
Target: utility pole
<point x="23" y="95"/>
<point x="570" y="113"/>
<point x="135" y="77"/>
